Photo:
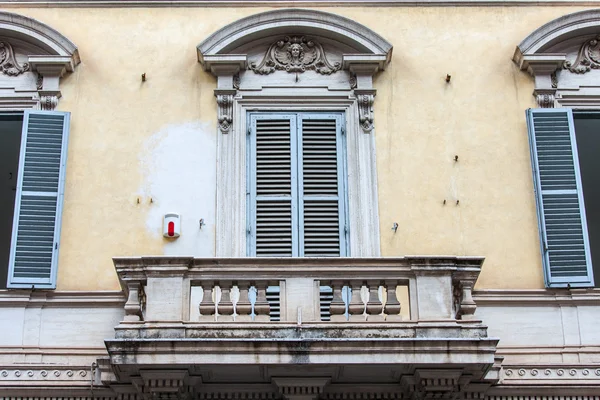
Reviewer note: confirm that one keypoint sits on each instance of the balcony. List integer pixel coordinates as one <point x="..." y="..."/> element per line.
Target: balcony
<point x="300" y="327"/>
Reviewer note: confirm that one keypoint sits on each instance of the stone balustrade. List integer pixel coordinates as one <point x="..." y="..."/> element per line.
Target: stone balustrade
<point x="200" y="290"/>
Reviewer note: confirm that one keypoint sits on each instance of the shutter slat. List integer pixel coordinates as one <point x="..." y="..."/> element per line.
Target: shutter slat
<point x="295" y="185"/>
<point x="38" y="204"/>
<point x="565" y="247"/>
<point x="322" y="233"/>
<point x="272" y="192"/>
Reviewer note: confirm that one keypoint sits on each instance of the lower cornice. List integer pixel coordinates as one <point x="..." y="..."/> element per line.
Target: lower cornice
<point x="70" y="299"/>
<point x="536" y="297"/>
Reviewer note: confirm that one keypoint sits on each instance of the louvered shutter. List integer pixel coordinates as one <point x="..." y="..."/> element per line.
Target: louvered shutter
<point x="38" y="203"/>
<point x="560" y="206"/>
<point x="273" y="194"/>
<point x="321" y="186"/>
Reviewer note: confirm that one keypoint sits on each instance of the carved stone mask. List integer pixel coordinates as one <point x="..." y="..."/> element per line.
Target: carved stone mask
<point x="295" y="50"/>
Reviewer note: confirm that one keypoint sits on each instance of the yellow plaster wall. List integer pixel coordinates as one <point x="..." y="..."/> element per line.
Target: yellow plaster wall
<point x="421" y="124"/>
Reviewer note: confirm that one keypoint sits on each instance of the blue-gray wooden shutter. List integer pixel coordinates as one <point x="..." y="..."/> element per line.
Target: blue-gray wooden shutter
<point x="273" y="196"/>
<point x="39" y="198"/>
<point x="560" y="207"/>
<point x="321" y="181"/>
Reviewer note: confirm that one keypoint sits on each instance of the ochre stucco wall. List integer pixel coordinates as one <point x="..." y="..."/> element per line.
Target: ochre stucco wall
<point x="155" y="142"/>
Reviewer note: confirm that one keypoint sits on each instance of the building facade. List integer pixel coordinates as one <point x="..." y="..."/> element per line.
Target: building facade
<point x="300" y="200"/>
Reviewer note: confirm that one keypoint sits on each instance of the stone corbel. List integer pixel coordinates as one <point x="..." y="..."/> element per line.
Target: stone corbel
<point x="542" y="68"/>
<point x="225" y="68"/>
<point x="50" y="69"/>
<point x="300" y="388"/>
<point x="363" y="67"/>
<point x="166" y="384"/>
<point x="432" y="384"/>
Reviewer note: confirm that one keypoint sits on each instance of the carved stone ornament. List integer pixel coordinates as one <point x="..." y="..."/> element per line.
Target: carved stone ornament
<point x="295" y="54"/>
<point x="8" y="62"/>
<point x="365" y="111"/>
<point x="545" y="99"/>
<point x="225" y="111"/>
<point x="48" y="102"/>
<point x="587" y="59"/>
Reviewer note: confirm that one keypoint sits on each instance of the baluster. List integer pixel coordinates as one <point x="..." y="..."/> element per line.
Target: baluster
<point x="207" y="305"/>
<point x="243" y="308"/>
<point x="225" y="306"/>
<point x="392" y="305"/>
<point x="374" y="305"/>
<point x="467" y="304"/>
<point x="133" y="307"/>
<point x="261" y="306"/>
<point x="337" y="308"/>
<point x="356" y="308"/>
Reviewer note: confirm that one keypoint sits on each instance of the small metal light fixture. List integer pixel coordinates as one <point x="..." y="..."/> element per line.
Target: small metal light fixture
<point x="448" y="77"/>
<point x="395" y="227"/>
<point x="144" y="77"/>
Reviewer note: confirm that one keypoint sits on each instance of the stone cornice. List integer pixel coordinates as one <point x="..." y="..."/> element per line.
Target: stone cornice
<point x="70" y="299"/>
<point x="536" y="297"/>
<point x="139" y="268"/>
<point x="296" y="3"/>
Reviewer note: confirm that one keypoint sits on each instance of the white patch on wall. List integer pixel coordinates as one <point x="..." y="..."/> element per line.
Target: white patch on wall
<point x="179" y="171"/>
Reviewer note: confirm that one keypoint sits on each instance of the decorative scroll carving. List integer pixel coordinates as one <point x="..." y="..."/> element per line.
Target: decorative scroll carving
<point x="587" y="59"/>
<point x="365" y="111"/>
<point x="48" y="102"/>
<point x="225" y="110"/>
<point x="9" y="63"/>
<point x="295" y="54"/>
<point x="545" y="99"/>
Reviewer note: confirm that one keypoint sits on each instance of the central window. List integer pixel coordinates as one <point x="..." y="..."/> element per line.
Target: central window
<point x="297" y="196"/>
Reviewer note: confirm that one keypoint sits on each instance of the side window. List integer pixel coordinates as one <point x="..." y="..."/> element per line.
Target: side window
<point x="297" y="198"/>
<point x="563" y="151"/>
<point x="30" y="234"/>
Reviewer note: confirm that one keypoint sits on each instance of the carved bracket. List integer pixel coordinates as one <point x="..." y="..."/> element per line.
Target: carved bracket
<point x="295" y="54"/>
<point x="8" y="62"/>
<point x="545" y="98"/>
<point x="225" y="109"/>
<point x="587" y="59"/>
<point x="48" y="102"/>
<point x="365" y="109"/>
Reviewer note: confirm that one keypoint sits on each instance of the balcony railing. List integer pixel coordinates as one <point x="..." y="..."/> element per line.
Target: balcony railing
<point x="236" y="290"/>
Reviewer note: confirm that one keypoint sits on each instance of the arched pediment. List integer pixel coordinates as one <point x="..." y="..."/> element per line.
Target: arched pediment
<point x="33" y="58"/>
<point x="559" y="30"/>
<point x="227" y="41"/>
<point x="39" y="37"/>
<point x="562" y="54"/>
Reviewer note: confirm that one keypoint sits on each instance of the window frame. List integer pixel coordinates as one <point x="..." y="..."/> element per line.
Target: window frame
<point x="232" y="190"/>
<point x="296" y="119"/>
<point x="558" y="282"/>
<point x="50" y="283"/>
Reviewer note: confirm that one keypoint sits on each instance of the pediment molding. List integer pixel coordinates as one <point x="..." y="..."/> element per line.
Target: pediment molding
<point x="293" y="42"/>
<point x="559" y="54"/>
<point x="33" y="57"/>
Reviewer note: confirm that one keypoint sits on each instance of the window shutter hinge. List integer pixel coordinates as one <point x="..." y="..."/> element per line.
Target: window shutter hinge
<point x="343" y="130"/>
<point x="55" y="246"/>
<point x="346" y="230"/>
<point x="249" y="132"/>
<point x="248" y="231"/>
